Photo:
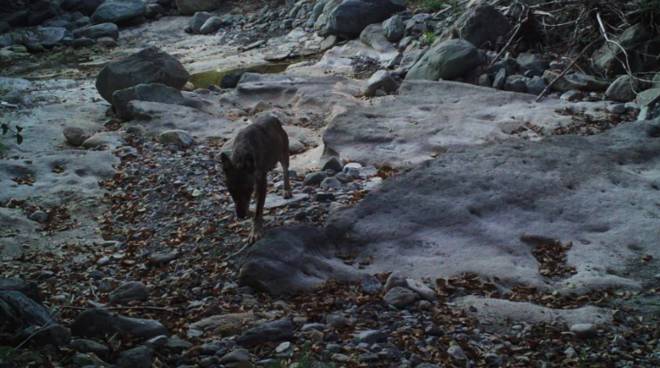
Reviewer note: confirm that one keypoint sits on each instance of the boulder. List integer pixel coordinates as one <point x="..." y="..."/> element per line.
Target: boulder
<point x="394" y="28"/>
<point x="97" y="31"/>
<point x="154" y="92"/>
<point x="29" y="289"/>
<point x="197" y="21"/>
<point x="188" y="7"/>
<point x="373" y="36"/>
<point x="211" y="25"/>
<point x="293" y="259"/>
<point x="18" y="312"/>
<point x="446" y="60"/>
<point x="624" y="89"/>
<point x="150" y="65"/>
<point x="119" y="11"/>
<point x="351" y="16"/>
<point x="484" y="26"/>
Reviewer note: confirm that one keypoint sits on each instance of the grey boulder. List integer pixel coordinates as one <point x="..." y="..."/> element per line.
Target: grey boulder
<point x="291" y="260"/>
<point x="150" y="65"/>
<point x="351" y="16"/>
<point x="97" y="31"/>
<point x="624" y="89"/>
<point x="446" y="60"/>
<point x="484" y="26"/>
<point x="119" y="11"/>
<point x="153" y="92"/>
<point x="394" y="28"/>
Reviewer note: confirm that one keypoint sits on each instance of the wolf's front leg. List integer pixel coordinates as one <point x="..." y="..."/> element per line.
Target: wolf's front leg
<point x="257" y="225"/>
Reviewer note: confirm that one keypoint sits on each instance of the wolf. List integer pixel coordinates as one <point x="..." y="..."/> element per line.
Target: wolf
<point x="256" y="150"/>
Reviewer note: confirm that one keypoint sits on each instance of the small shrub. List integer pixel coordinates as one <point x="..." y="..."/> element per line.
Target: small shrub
<point x="428" y="38"/>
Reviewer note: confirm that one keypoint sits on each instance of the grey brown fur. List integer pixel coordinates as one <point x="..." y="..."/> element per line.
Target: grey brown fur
<point x="256" y="150"/>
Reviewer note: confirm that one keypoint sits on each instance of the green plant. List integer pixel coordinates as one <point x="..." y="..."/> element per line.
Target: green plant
<point x="428" y="38"/>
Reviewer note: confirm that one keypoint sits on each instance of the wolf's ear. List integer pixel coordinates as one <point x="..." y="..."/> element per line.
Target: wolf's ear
<point x="226" y="161"/>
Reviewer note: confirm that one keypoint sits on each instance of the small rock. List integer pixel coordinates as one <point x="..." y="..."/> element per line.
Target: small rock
<point x="129" y="291"/>
<point x="273" y="331"/>
<point x="39" y="216"/>
<point x="336" y="320"/>
<point x="371" y="336"/>
<point x="493" y="360"/>
<point x="370" y="285"/>
<point x="332" y="164"/>
<point x="162" y="258"/>
<point x="176" y="137"/>
<point x="75" y="136"/>
<point x="283" y="347"/>
<point x="314" y="178"/>
<point x="211" y="25"/>
<point x="395" y="279"/>
<point x="157" y="342"/>
<point x="236" y="356"/>
<point x="570" y="352"/>
<point x="584" y="330"/>
<point x="175" y="343"/>
<point x="421" y="289"/>
<point x="340" y="358"/>
<point x="381" y="80"/>
<point x="571" y="96"/>
<point x="331" y="183"/>
<point x="500" y="78"/>
<point x="138" y="357"/>
<point x="400" y="297"/>
<point x="55" y="335"/>
<point x="456" y="353"/>
<point x="91" y="346"/>
<point x="324" y="197"/>
<point x="617" y="109"/>
<point x="107" y="42"/>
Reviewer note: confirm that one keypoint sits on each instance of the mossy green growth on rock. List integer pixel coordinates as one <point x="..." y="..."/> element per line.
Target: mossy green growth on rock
<point x="228" y="78"/>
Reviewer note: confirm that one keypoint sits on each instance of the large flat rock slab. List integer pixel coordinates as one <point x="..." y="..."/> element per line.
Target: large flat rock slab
<point x="428" y="117"/>
<point x="470" y="210"/>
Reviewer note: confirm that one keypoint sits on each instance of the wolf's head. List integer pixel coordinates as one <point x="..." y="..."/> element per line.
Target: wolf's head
<point x="240" y="183"/>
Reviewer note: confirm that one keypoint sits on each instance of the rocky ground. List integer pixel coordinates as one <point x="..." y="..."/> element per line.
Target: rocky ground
<point x="475" y="184"/>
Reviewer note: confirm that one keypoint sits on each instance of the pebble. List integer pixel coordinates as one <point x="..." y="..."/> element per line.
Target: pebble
<point x="584" y="330"/>
<point x="370" y="336"/>
<point x="456" y="353"/>
<point x="283" y="347"/>
<point x="340" y="358"/>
